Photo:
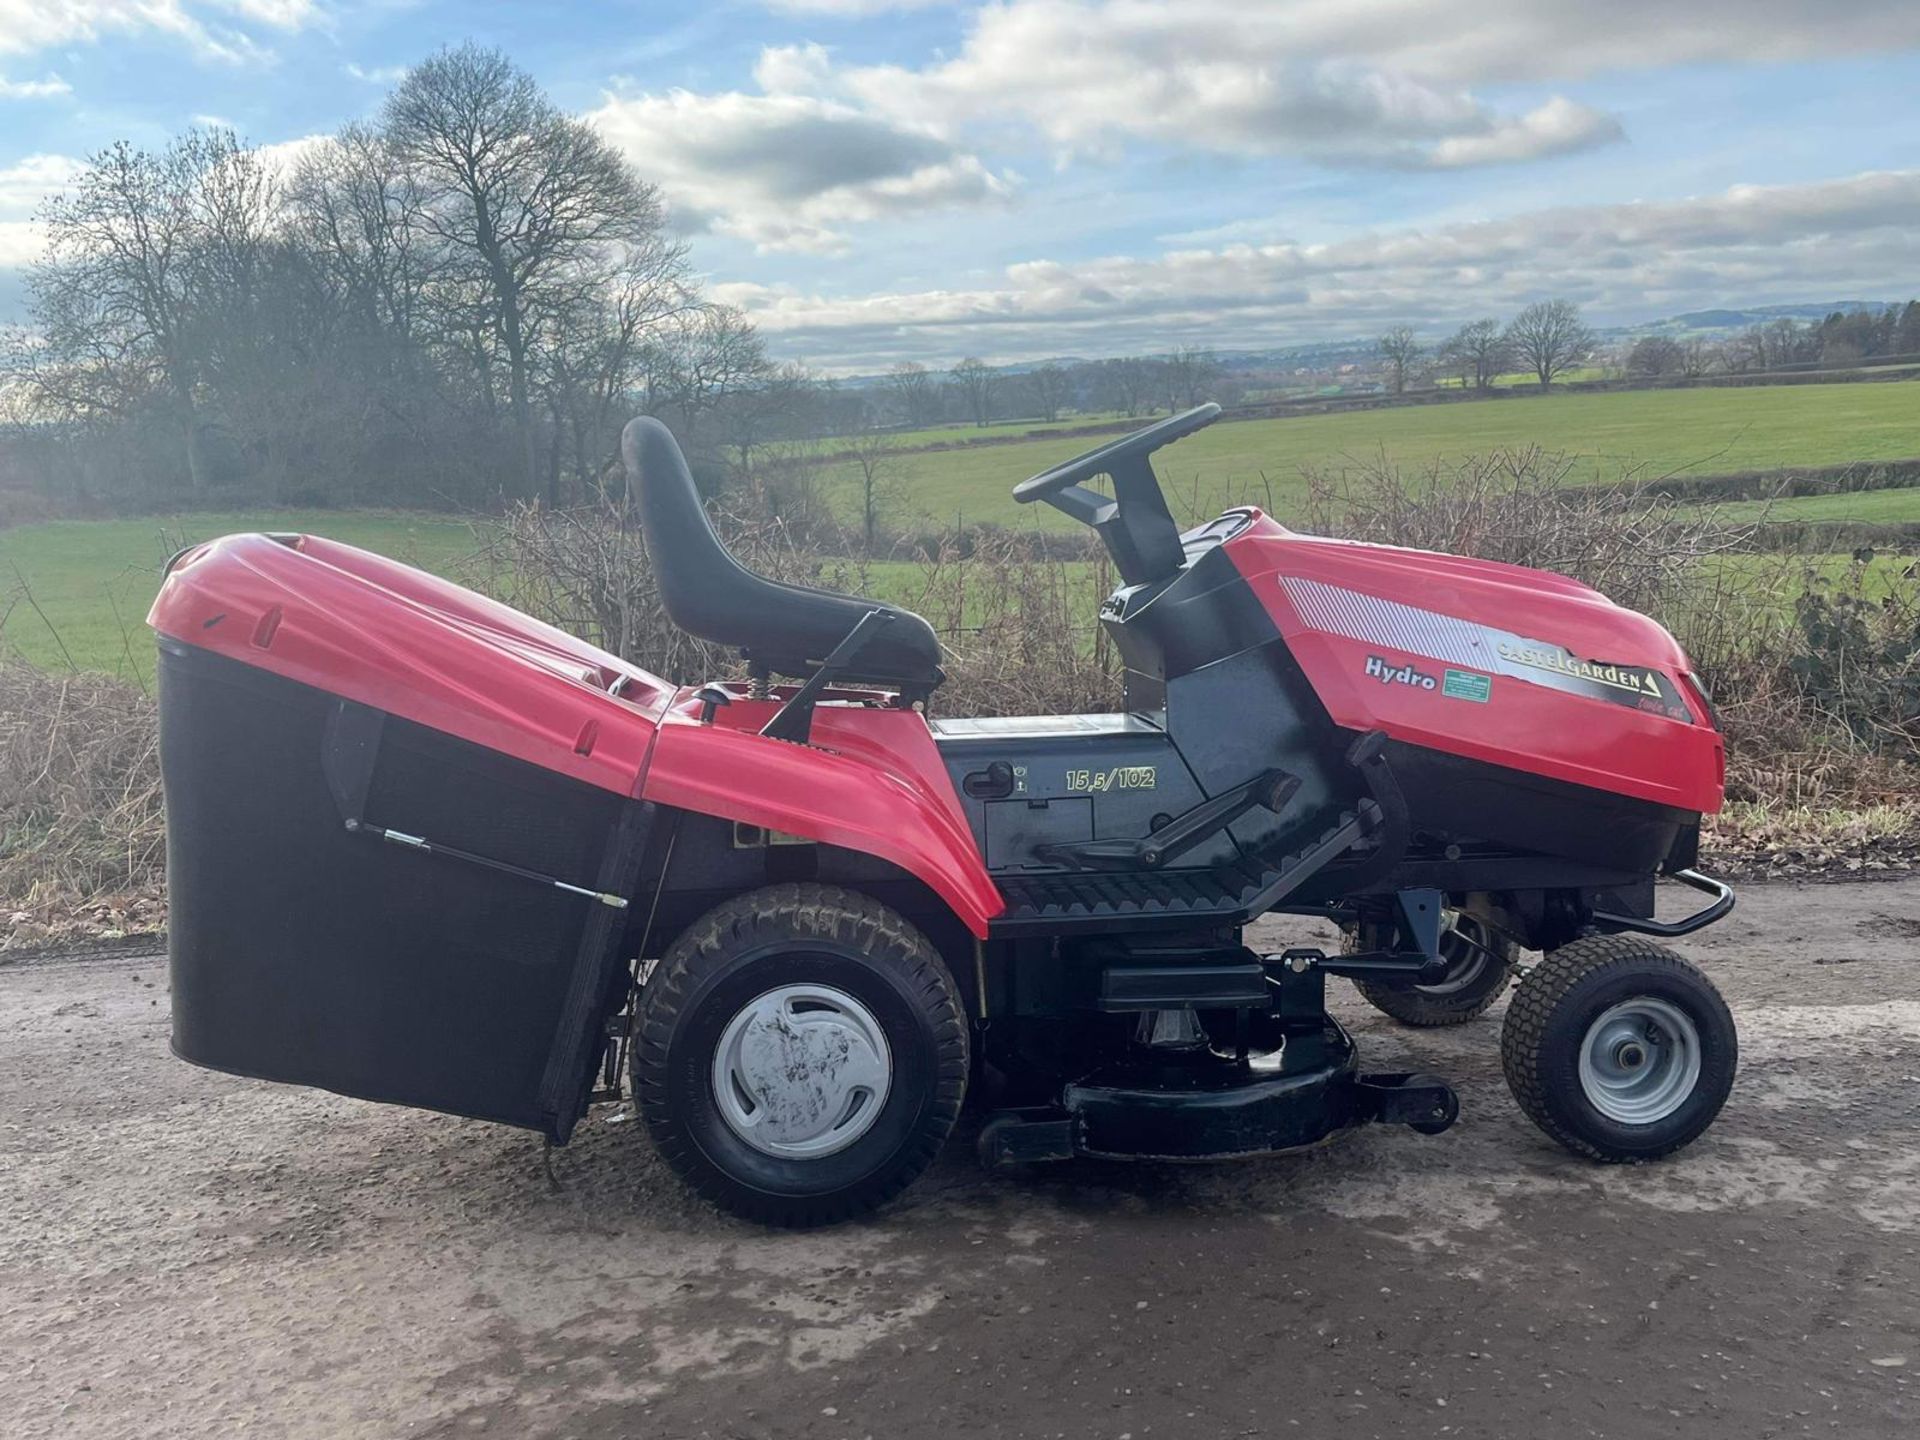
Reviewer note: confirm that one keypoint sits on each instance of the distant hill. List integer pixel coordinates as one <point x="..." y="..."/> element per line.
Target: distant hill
<point x="1760" y="315"/>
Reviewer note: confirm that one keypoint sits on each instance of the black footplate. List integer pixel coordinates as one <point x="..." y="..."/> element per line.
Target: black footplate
<point x="1092" y="901"/>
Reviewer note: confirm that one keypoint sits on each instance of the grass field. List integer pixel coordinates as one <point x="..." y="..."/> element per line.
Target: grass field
<point x="79" y="590"/>
<point x="978" y="434"/>
<point x="1867" y="507"/>
<point x="1653" y="432"/>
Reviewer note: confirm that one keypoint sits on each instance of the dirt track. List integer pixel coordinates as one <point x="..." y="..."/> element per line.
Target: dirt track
<point x="185" y="1254"/>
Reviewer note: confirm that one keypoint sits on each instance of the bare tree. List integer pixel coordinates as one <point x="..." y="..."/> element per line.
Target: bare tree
<point x="523" y="196"/>
<point x="594" y="352"/>
<point x="356" y="210"/>
<point x="1399" y="349"/>
<point x="1656" y="355"/>
<point x="121" y="297"/>
<point x="914" y="392"/>
<point x="1478" y="351"/>
<point x="976" y="380"/>
<point x="1050" y="385"/>
<point x="1549" y="338"/>
<point x="1697" y="357"/>
<point x="875" y="458"/>
<point x="690" y="368"/>
<point x="1188" y="373"/>
<point x="1132" y="381"/>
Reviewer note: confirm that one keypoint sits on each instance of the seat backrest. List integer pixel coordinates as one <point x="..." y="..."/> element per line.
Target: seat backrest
<point x="707" y="593"/>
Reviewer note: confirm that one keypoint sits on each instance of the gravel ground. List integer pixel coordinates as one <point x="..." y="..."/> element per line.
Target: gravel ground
<point x="188" y="1254"/>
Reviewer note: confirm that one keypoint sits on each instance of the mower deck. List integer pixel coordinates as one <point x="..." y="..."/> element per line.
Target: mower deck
<point x="1196" y="1103"/>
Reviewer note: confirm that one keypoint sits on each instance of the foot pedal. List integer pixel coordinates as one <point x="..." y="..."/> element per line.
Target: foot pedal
<point x="1025" y="1137"/>
<point x="1424" y="1103"/>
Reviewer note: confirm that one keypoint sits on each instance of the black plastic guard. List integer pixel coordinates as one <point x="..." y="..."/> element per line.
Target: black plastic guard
<point x="304" y="950"/>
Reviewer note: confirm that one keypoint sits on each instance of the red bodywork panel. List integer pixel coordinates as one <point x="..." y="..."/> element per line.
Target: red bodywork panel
<point x="1488" y="661"/>
<point x="871" y="780"/>
<point x="368" y="629"/>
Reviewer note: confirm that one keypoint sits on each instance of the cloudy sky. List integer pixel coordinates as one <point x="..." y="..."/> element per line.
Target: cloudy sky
<point x="878" y="179"/>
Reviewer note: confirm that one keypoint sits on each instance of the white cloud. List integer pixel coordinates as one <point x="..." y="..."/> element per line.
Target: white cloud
<point x="1345" y="81"/>
<point x="1750" y="243"/>
<point x="783" y="171"/>
<point x="23" y="185"/>
<point x="214" y="29"/>
<point x="283" y="155"/>
<point x="1555" y="128"/>
<point x="376" y="74"/>
<point x="33" y="89"/>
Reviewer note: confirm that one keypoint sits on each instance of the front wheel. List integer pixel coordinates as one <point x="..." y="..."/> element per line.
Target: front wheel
<point x="800" y="1054"/>
<point x="1618" y="1048"/>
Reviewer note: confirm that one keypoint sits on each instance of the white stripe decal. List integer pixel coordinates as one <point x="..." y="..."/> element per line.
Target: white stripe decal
<point x="1388" y="622"/>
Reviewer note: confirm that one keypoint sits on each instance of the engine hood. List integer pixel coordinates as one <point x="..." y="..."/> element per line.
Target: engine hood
<point x="1489" y="661"/>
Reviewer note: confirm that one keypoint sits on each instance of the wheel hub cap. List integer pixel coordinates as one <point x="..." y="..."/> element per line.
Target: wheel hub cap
<point x="1640" y="1061"/>
<point x="802" y="1071"/>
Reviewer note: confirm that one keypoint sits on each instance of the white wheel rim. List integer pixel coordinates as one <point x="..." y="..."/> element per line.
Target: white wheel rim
<point x="1640" y="1060"/>
<point x="801" y="1072"/>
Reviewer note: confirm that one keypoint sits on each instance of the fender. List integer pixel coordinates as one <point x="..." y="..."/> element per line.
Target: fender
<point x="870" y="781"/>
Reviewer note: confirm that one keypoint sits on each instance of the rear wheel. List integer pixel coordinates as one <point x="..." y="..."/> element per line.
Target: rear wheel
<point x="801" y="1054"/>
<point x="1479" y="968"/>
<point x="1619" y="1049"/>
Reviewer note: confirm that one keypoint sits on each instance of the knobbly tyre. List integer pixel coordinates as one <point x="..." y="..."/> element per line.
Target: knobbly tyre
<point x="426" y="849"/>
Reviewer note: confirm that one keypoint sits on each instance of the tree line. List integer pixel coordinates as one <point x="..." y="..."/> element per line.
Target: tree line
<point x="975" y="393"/>
<point x="457" y="302"/>
<point x="461" y="300"/>
<point x="1548" y="339"/>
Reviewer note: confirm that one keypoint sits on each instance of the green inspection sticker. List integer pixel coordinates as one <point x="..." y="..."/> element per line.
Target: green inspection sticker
<point x="1465" y="685"/>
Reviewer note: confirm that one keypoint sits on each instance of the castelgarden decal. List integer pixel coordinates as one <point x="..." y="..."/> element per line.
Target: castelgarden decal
<point x="1551" y="657"/>
<point x="1450" y="640"/>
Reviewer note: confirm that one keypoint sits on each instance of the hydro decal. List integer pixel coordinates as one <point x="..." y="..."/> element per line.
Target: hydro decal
<point x="1448" y="638"/>
<point x="1388" y="673"/>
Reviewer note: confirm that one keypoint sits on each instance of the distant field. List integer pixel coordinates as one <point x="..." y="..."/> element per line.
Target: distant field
<point x="1654" y="432"/>
<point x="1519" y="379"/>
<point x="81" y="589"/>
<point x="975" y="434"/>
<point x="1867" y="507"/>
<point x="92" y="580"/>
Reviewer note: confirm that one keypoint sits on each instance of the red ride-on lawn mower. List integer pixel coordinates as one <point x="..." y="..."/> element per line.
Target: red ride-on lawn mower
<point x="425" y="849"/>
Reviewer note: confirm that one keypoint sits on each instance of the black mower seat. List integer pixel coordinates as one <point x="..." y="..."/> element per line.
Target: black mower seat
<point x="789" y="629"/>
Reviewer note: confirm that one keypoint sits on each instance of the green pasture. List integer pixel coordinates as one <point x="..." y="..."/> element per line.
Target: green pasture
<point x="1522" y="379"/>
<point x="1865" y="507"/>
<point x="77" y="591"/>
<point x="1608" y="436"/>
